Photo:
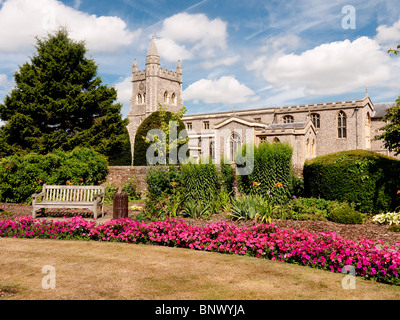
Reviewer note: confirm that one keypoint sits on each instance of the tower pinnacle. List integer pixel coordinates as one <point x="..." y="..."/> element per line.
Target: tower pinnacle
<point x="152" y="54"/>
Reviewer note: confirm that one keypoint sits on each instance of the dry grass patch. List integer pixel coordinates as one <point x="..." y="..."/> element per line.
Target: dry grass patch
<point x="97" y="270"/>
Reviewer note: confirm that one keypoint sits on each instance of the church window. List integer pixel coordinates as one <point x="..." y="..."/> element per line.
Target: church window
<point x="316" y="120"/>
<point x="234" y="144"/>
<point x="288" y="119"/>
<point x="212" y="150"/>
<point x="173" y="99"/>
<point x="342" y="125"/>
<point x="139" y="99"/>
<point x="206" y="125"/>
<point x="144" y="98"/>
<point x="166" y="97"/>
<point x="276" y="140"/>
<point x="263" y="139"/>
<point x="189" y="126"/>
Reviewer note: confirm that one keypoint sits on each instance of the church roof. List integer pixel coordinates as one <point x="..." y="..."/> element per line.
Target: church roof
<point x="380" y="109"/>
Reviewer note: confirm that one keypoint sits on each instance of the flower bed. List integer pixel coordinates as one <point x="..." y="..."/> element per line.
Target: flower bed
<point x="319" y="250"/>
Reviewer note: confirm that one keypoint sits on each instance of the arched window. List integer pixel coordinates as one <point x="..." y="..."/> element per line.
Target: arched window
<point x="288" y="119"/>
<point x="139" y="99"/>
<point x="212" y="150"/>
<point x="166" y="97"/>
<point x="173" y="99"/>
<point x="144" y="98"/>
<point x="342" y="125"/>
<point x="308" y="148"/>
<point x="276" y="140"/>
<point x="316" y="120"/>
<point x="234" y="144"/>
<point x="368" y="131"/>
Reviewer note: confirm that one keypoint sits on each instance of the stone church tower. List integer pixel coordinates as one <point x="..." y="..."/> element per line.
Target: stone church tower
<point x="151" y="87"/>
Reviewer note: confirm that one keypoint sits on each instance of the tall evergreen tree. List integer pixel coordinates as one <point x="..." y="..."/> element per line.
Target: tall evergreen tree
<point x="59" y="102"/>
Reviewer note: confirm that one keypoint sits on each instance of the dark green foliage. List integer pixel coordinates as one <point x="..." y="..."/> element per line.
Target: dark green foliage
<point x="59" y="102"/>
<point x="272" y="165"/>
<point x="157" y="120"/>
<point x="227" y="177"/>
<point x="200" y="181"/>
<point x="368" y="180"/>
<point x="21" y="176"/>
<point x="394" y="228"/>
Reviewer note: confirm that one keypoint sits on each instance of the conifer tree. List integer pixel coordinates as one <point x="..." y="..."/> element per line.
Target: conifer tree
<point x="59" y="102"/>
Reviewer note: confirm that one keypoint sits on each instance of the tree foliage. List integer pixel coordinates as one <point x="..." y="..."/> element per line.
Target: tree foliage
<point x="59" y="102"/>
<point x="391" y="134"/>
<point x="160" y="119"/>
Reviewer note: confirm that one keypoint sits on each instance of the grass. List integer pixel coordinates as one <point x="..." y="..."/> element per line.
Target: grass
<point x="95" y="270"/>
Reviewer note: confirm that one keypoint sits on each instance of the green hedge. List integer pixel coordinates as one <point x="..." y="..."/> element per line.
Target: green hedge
<point x="368" y="180"/>
<point x="272" y="165"/>
<point x="22" y="176"/>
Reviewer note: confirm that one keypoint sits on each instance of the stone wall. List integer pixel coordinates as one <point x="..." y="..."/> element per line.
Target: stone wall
<point x="119" y="175"/>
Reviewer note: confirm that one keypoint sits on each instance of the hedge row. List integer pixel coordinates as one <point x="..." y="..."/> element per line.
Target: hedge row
<point x="367" y="179"/>
<point x="22" y="176"/>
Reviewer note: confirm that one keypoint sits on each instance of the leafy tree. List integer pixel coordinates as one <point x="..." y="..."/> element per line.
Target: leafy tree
<point x="59" y="102"/>
<point x="391" y="134"/>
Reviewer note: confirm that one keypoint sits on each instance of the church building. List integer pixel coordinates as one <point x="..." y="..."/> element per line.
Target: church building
<point x="312" y="130"/>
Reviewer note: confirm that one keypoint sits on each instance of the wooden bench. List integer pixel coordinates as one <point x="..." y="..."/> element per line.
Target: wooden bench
<point x="71" y="197"/>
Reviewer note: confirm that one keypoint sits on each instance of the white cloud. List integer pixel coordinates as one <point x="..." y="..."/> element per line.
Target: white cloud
<point x="332" y="68"/>
<point x="389" y="36"/>
<point x="22" y="20"/>
<point x="200" y="35"/>
<point x="224" y="90"/>
<point x="171" y="51"/>
<point x="124" y="90"/>
<point x="226" y="61"/>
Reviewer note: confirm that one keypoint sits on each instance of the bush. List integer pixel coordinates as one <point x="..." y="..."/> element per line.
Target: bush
<point x="272" y="165"/>
<point x="387" y="218"/>
<point x="22" y="176"/>
<point x="346" y="215"/>
<point x="367" y="179"/>
<point x="200" y="181"/>
<point x="227" y="177"/>
<point x="161" y="181"/>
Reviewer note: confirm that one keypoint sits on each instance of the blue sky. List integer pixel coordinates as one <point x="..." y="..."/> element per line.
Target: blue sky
<point x="234" y="54"/>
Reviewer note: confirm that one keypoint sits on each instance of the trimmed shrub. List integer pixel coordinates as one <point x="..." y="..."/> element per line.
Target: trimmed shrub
<point x="368" y="180"/>
<point x="272" y="165"/>
<point x="346" y="215"/>
<point x="22" y="176"/>
<point x="157" y="120"/>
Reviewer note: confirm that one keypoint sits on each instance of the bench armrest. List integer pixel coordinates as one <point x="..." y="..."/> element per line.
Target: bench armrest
<point x="37" y="195"/>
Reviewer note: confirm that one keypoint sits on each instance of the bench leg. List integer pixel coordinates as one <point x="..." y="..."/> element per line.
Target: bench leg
<point x="95" y="212"/>
<point x="33" y="213"/>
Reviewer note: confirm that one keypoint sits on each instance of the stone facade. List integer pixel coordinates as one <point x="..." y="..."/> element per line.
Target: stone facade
<point x="312" y="130"/>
